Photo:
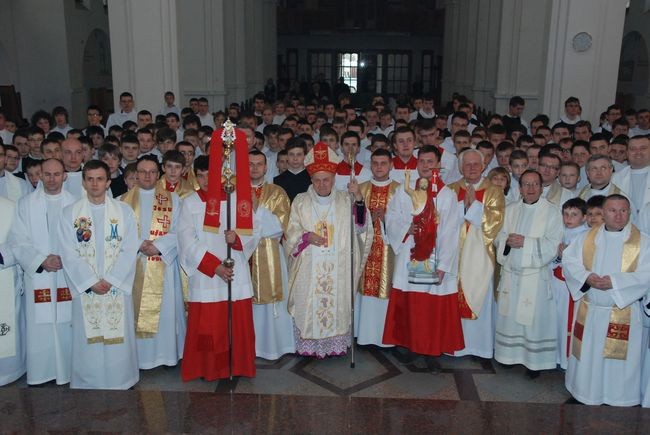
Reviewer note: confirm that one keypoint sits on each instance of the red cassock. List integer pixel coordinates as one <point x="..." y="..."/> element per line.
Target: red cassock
<point x="206" y="343"/>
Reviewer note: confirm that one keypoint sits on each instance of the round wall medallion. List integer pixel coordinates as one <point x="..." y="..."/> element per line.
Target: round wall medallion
<point x="582" y="41"/>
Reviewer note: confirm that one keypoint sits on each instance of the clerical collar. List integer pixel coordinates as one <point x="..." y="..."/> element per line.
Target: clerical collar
<point x="148" y="191"/>
<point x="613" y="231"/>
<point x="53" y="196"/>
<point x="643" y="170"/>
<point x="257" y="186"/>
<point x="602" y="188"/>
<point x="531" y="203"/>
<point x="295" y="171"/>
<point x="381" y="183"/>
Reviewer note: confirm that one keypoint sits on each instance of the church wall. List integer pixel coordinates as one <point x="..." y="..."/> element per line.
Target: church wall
<point x="525" y="47"/>
<point x="225" y="49"/>
<point x="8" y="64"/>
<point x="33" y="34"/>
<point x="79" y="25"/>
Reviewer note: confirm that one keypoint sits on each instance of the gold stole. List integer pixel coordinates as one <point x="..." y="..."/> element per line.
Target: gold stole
<point x="618" y="330"/>
<point x="149" y="278"/>
<point x="191" y="179"/>
<point x="377" y="274"/>
<point x="555" y="194"/>
<point x="266" y="272"/>
<point x="491" y="223"/>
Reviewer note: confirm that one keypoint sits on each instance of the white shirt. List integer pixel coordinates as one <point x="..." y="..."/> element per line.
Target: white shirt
<point x="120" y="118"/>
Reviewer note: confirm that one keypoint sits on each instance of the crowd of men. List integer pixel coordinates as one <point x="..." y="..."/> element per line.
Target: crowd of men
<point x="442" y="233"/>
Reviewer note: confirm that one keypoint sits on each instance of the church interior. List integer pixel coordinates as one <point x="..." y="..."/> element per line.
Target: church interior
<point x="77" y="53"/>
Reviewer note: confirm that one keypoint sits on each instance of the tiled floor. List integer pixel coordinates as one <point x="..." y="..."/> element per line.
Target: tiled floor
<point x="295" y="394"/>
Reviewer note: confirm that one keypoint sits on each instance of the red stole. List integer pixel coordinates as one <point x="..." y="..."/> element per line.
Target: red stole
<point x="244" y="207"/>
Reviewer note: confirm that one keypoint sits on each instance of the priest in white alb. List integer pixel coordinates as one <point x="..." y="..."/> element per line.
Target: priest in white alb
<point x="48" y="302"/>
<point x="157" y="292"/>
<point x="607" y="270"/>
<point x="12" y="316"/>
<point x="526" y="324"/>
<point x="98" y="244"/>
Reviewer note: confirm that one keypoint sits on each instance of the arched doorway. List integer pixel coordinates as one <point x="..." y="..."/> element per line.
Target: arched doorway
<point x="97" y="72"/>
<point x="632" y="71"/>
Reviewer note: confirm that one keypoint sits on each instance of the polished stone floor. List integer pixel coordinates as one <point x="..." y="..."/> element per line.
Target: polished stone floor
<point x="302" y="395"/>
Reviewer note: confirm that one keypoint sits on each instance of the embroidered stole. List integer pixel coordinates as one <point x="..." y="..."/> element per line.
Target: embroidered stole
<point x="618" y="330"/>
<point x="377" y="273"/>
<point x="525" y="311"/>
<point x="266" y="272"/>
<point x="103" y="314"/>
<point x="150" y="271"/>
<point x="472" y="286"/>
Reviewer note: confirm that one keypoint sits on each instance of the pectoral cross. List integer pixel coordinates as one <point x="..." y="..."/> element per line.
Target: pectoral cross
<point x="161" y="198"/>
<point x="164" y="221"/>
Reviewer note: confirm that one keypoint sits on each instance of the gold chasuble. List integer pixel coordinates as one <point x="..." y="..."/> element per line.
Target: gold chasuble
<point x="266" y="272"/>
<point x="618" y="330"/>
<point x="149" y="272"/>
<point x="476" y="251"/>
<point x="377" y="278"/>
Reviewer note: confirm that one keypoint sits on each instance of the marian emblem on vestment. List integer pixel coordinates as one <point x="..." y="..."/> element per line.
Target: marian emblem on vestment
<point x="83" y="226"/>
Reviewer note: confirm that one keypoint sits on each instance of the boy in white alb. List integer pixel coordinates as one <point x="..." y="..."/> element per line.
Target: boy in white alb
<point x="574" y="217"/>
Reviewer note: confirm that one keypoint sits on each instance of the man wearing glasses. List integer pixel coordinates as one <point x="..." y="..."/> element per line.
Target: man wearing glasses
<point x="549" y="169"/>
<point x="526" y="245"/>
